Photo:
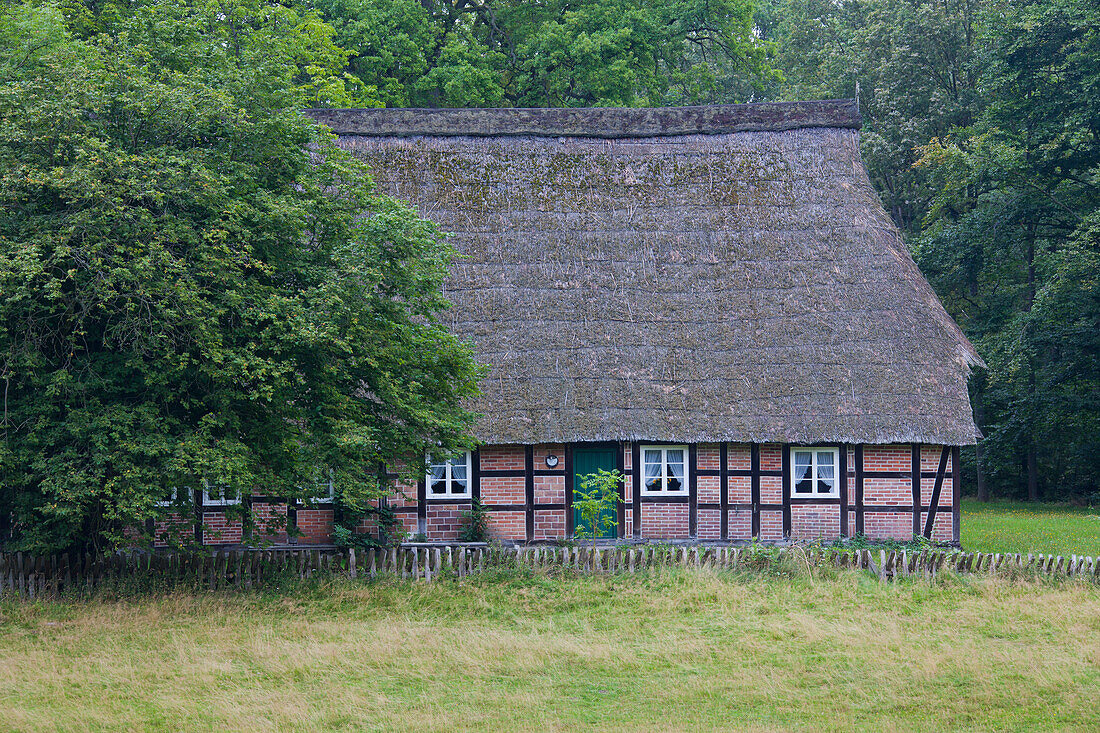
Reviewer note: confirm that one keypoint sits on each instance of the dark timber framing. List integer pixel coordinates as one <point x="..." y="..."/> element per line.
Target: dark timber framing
<point x="475" y="478"/>
<point x="421" y="506"/>
<point x="693" y="489"/>
<point x="529" y="491"/>
<point x="843" y="469"/>
<point x="754" y="487"/>
<point x="914" y="471"/>
<point x="851" y="492"/>
<point x="620" y="506"/>
<point x="859" y="490"/>
<point x="787" y="490"/>
<point x="569" y="528"/>
<point x="934" y="502"/>
<point x="636" y="490"/>
<point x="723" y="490"/>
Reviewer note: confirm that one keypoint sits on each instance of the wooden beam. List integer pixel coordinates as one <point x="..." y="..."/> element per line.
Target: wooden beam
<point x="693" y="490"/>
<point x="475" y="479"/>
<point x="422" y="506"/>
<point x="569" y="490"/>
<point x="529" y="491"/>
<point x="843" y="468"/>
<point x="620" y="507"/>
<point x="786" y="490"/>
<point x="723" y="490"/>
<point x="754" y="473"/>
<point x="934" y="502"/>
<point x="914" y="471"/>
<point x="859" y="489"/>
<point x="636" y="490"/>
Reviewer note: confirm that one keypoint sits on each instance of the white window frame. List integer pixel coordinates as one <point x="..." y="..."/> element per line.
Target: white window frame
<point x="837" y="468"/>
<point x="683" y="490"/>
<point x="449" y="479"/>
<point x="329" y="496"/>
<point x="173" y="500"/>
<point x="220" y="501"/>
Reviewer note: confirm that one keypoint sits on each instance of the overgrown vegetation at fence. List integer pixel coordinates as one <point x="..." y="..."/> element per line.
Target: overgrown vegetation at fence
<point x="60" y="575"/>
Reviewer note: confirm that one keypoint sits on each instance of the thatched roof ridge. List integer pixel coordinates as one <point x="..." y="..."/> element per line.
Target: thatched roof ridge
<point x="713" y="286"/>
<point x="600" y="122"/>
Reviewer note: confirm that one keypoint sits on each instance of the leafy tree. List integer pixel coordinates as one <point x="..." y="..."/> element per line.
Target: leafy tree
<point x="1011" y="241"/>
<point x="195" y="283"/>
<point x="469" y="53"/>
<point x="918" y="65"/>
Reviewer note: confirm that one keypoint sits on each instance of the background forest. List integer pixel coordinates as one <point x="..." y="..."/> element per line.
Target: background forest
<point x="135" y="133"/>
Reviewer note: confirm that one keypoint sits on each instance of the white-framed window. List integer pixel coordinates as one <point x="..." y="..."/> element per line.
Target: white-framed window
<point x="172" y="498"/>
<point x="814" y="472"/>
<point x="448" y="476"/>
<point x="664" y="470"/>
<point x="326" y="490"/>
<point x="218" y="495"/>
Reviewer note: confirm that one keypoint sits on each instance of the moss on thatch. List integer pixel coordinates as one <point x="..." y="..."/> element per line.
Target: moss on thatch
<point x="695" y="274"/>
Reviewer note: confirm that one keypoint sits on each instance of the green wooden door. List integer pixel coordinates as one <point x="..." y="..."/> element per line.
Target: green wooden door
<point x="586" y="461"/>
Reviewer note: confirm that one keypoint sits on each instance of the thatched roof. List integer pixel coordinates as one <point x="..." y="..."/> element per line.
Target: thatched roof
<point x="689" y="274"/>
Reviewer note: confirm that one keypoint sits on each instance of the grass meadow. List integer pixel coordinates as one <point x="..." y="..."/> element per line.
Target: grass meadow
<point x="680" y="650"/>
<point x="1010" y="526"/>
<point x="773" y="650"/>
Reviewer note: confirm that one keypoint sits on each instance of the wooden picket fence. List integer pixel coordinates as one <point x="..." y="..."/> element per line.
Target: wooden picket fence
<point x="48" y="577"/>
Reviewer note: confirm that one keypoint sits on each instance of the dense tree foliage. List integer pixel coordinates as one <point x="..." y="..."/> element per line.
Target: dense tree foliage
<point x="571" y="53"/>
<point x="980" y="133"/>
<point x="1012" y="241"/>
<point x="196" y="285"/>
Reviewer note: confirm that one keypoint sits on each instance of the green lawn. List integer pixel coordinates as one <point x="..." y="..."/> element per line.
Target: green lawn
<point x="679" y="651"/>
<point x="1010" y="526"/>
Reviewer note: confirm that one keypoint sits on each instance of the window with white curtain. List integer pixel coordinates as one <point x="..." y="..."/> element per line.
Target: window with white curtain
<point x="448" y="476"/>
<point x="814" y="472"/>
<point x="664" y="470"/>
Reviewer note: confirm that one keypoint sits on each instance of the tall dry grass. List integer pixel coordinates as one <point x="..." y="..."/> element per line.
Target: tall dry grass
<point x="679" y="651"/>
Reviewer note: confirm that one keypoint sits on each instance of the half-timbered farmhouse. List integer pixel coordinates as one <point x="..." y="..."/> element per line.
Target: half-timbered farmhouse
<point x="710" y="299"/>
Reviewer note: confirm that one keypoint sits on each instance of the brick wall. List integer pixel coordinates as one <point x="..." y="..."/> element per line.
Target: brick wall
<point x="444" y="520"/>
<point x="658" y="520"/>
<point x="708" y="524"/>
<point x="510" y="525"/>
<point x="549" y="524"/>
<point x="270" y="520"/>
<point x="664" y="521"/>
<point x="810" y="522"/>
<point x="220" y="529"/>
<point x="175" y="530"/>
<point x="315" y="526"/>
<point x="502" y="457"/>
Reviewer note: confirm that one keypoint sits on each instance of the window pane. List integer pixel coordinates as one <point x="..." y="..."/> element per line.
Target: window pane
<point x="653" y="456"/>
<point x="802" y="458"/>
<point x="458" y="471"/>
<point x="653" y="475"/>
<point x="802" y="482"/>
<point x="675" y="471"/>
<point x="439" y="487"/>
<point x="825" y="474"/>
<point x="458" y="486"/>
